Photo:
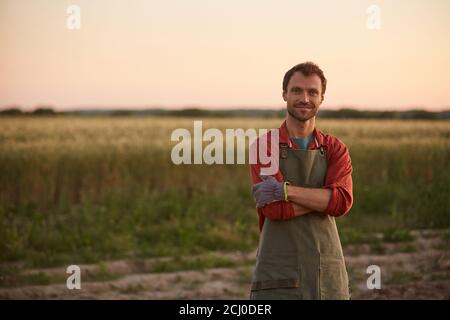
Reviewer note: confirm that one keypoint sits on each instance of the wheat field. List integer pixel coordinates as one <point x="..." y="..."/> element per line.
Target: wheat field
<point x="93" y="189"/>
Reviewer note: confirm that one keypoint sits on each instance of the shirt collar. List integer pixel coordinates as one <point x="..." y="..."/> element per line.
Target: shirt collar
<point x="284" y="137"/>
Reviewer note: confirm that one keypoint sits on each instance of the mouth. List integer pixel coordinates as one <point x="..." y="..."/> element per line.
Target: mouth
<point x="303" y="107"/>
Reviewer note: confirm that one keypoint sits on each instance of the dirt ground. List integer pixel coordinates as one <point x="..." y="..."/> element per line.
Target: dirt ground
<point x="417" y="269"/>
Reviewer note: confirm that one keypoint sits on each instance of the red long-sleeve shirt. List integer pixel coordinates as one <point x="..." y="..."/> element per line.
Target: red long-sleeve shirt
<point x="338" y="178"/>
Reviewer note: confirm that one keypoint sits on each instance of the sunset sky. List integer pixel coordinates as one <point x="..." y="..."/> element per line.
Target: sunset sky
<point x="228" y="53"/>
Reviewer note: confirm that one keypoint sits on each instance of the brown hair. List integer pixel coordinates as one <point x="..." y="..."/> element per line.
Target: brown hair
<point x="307" y="69"/>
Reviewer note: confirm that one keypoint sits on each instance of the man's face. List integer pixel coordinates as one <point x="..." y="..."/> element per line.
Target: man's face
<point x="303" y="96"/>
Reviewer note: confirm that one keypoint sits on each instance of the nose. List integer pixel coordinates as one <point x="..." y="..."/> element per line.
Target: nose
<point x="304" y="97"/>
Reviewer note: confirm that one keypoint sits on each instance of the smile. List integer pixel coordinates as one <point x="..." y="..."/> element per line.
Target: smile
<point x="302" y="107"/>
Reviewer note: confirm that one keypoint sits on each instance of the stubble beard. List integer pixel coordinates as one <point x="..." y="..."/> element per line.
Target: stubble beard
<point x="312" y="113"/>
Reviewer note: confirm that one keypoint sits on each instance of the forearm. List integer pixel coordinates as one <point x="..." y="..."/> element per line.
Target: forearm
<point x="300" y="210"/>
<point x="315" y="199"/>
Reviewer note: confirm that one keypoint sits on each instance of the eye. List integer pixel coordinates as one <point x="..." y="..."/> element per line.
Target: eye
<point x="313" y="93"/>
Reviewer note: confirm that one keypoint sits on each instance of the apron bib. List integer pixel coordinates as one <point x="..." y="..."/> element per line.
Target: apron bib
<point x="304" y="252"/>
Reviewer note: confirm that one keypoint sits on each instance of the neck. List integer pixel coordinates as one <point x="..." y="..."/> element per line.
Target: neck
<point x="297" y="128"/>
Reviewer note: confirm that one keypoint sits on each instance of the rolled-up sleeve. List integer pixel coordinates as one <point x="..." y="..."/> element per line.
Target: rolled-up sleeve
<point x="339" y="180"/>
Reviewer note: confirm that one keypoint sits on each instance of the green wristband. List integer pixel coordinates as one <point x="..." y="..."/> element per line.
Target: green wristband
<point x="285" y="191"/>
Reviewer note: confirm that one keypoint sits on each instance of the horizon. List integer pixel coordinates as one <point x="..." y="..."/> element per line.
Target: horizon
<point x="210" y="109"/>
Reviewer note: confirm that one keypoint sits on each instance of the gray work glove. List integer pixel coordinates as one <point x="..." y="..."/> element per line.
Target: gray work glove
<point x="267" y="191"/>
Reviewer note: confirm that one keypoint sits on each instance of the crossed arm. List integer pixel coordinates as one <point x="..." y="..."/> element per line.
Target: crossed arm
<point x="306" y="200"/>
<point x="300" y="200"/>
<point x="334" y="198"/>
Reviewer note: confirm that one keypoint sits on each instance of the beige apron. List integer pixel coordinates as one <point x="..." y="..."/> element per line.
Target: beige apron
<point x="302" y="257"/>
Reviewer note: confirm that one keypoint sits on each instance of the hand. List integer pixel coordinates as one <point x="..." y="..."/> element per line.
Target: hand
<point x="267" y="191"/>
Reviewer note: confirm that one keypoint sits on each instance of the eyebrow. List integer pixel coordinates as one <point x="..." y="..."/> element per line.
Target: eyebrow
<point x="308" y="89"/>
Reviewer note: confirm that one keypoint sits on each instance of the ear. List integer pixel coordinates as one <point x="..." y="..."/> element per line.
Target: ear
<point x="284" y="96"/>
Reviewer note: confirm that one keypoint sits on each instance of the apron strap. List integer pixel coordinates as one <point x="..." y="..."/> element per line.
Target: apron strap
<point x="285" y="146"/>
<point x="319" y="146"/>
<point x="284" y="150"/>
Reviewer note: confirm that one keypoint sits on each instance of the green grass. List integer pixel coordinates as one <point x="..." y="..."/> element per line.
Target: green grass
<point x="402" y="278"/>
<point x="445" y="244"/>
<point x="244" y="276"/>
<point x="29" y="280"/>
<point x="196" y="263"/>
<point x="407" y="248"/>
<point x="132" y="288"/>
<point x="79" y="191"/>
<point x="377" y="248"/>
<point x="397" y="235"/>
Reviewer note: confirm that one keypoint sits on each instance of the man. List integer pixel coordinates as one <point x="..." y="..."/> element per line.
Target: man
<point x="299" y="253"/>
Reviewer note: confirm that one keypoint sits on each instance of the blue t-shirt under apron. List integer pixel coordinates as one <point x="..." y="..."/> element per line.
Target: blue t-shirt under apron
<point x="302" y="142"/>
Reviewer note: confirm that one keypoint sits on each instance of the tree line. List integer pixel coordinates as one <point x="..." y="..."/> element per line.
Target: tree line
<point x="345" y="113"/>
